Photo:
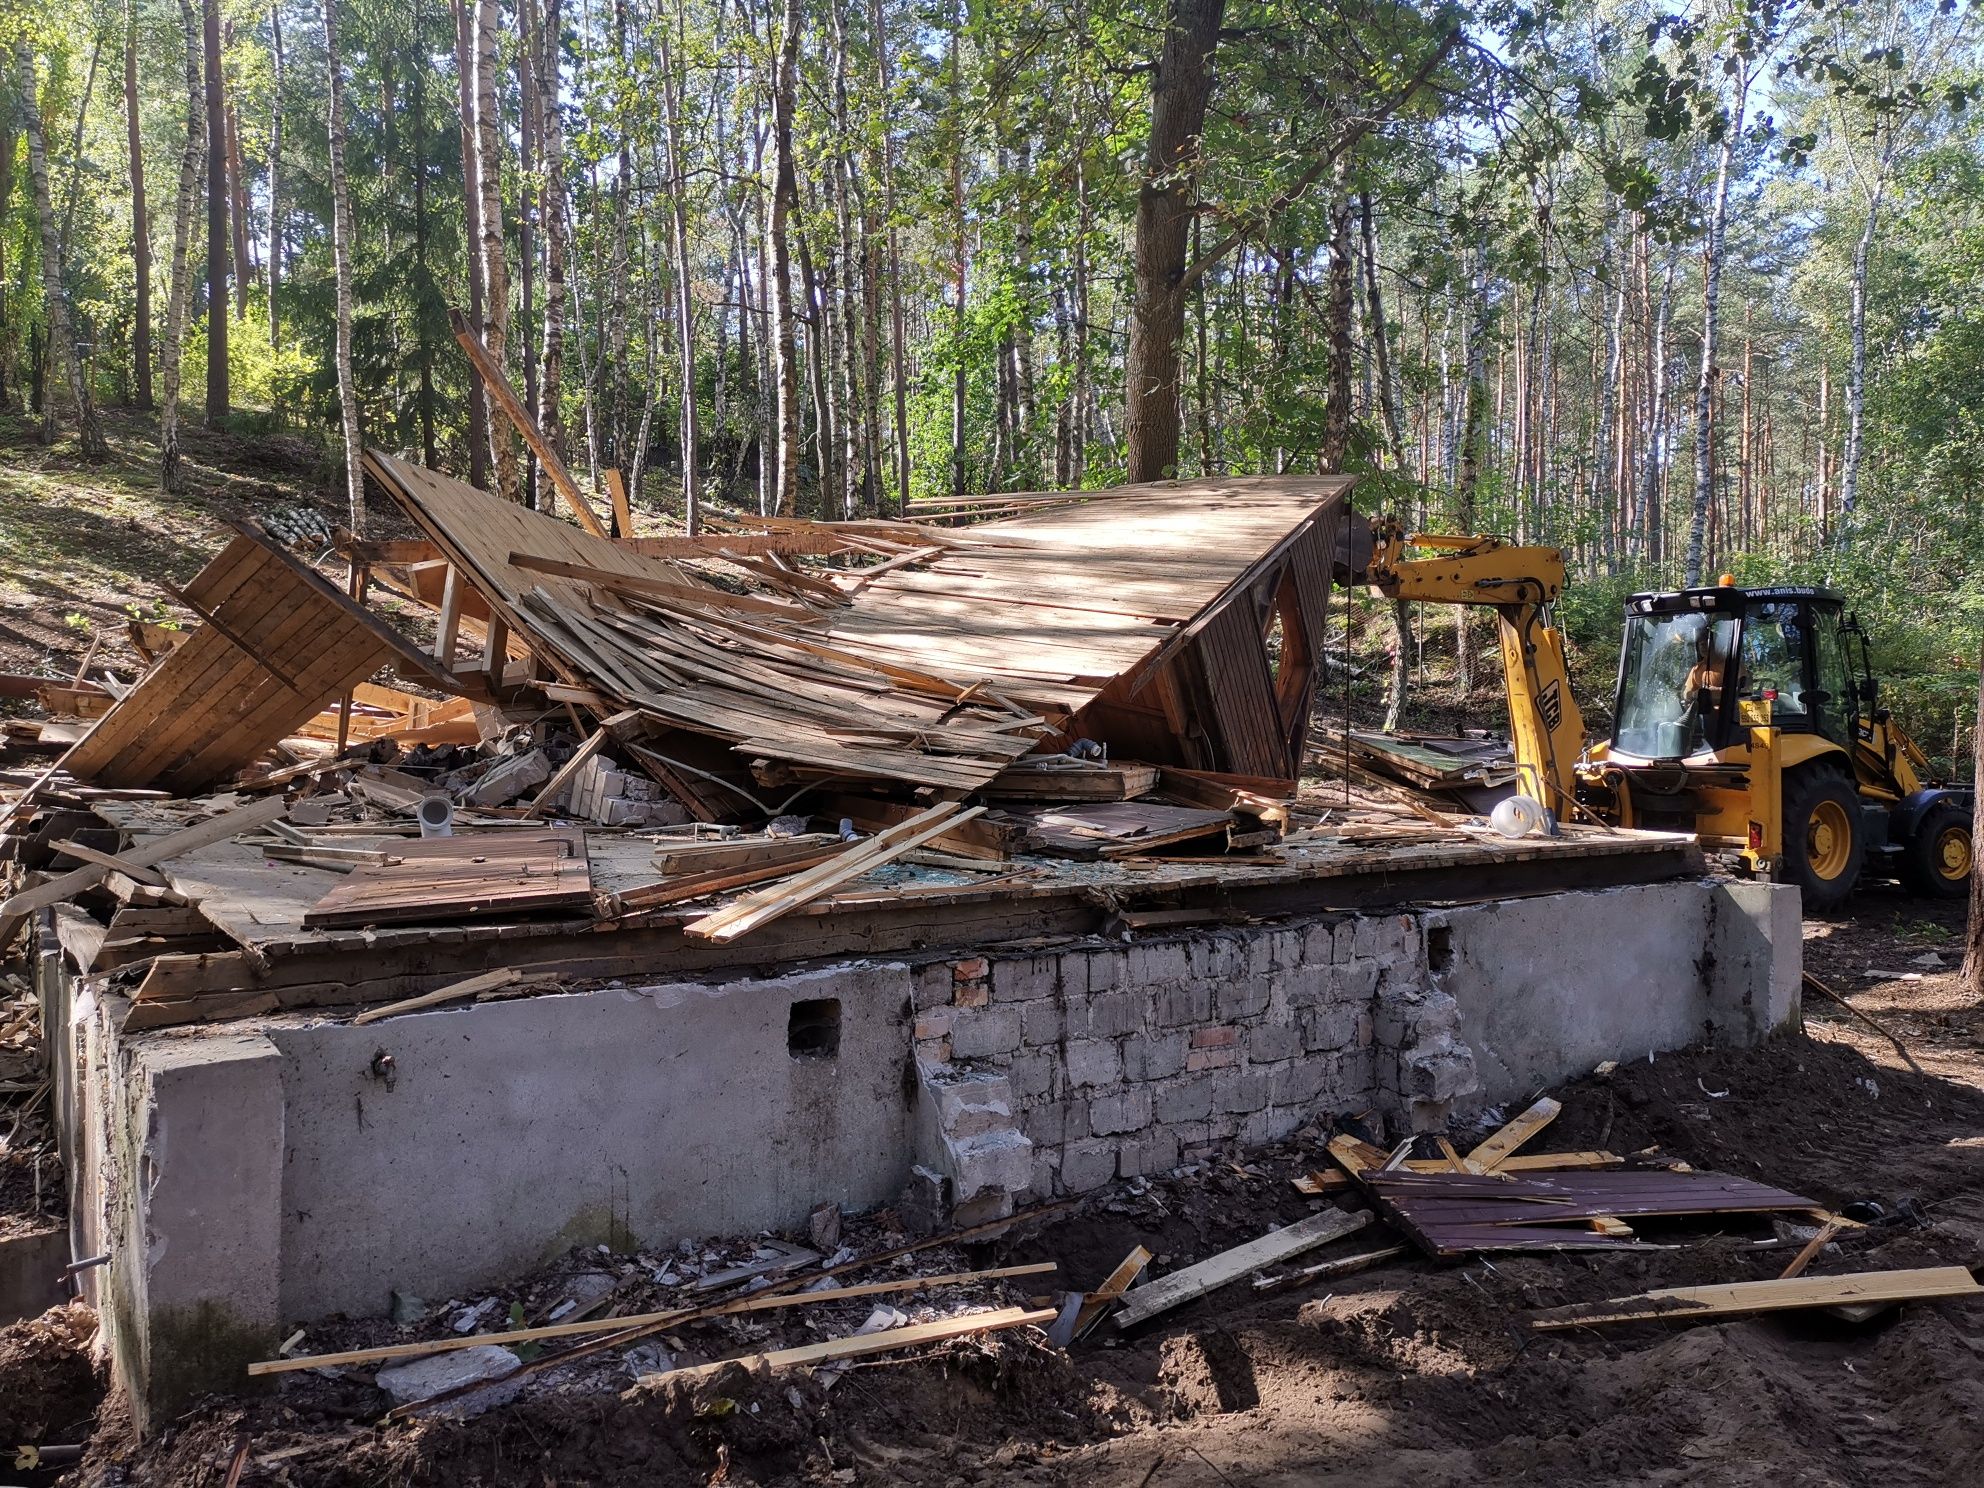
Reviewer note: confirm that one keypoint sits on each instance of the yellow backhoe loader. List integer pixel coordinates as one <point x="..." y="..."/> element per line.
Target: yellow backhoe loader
<point x="1746" y="716"/>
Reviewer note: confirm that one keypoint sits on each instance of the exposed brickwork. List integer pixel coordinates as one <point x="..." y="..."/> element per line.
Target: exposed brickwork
<point x="1129" y="1060"/>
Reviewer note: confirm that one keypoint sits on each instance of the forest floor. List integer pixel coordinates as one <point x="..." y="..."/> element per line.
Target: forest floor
<point x="1405" y="1374"/>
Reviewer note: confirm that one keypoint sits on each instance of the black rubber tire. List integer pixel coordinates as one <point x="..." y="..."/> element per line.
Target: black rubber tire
<point x="1922" y="866"/>
<point x="1806" y="792"/>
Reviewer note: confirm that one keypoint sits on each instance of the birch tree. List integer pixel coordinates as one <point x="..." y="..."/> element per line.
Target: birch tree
<point x="341" y="244"/>
<point x="495" y="266"/>
<point x="179" y="292"/>
<point x="141" y="236"/>
<point x="55" y="295"/>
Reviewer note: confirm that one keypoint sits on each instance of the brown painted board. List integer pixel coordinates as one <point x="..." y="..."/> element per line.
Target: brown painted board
<point x="1453" y="1214"/>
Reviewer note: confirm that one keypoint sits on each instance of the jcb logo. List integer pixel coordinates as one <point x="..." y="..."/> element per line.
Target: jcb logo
<point x="1550" y="703"/>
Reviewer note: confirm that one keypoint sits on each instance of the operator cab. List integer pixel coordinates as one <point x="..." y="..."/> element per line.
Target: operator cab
<point x="1701" y="667"/>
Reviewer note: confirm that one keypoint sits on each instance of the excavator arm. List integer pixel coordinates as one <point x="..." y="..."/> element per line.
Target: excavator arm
<point x="1519" y="584"/>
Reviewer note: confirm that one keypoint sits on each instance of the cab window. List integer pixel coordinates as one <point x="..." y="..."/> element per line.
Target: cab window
<point x="1839" y="707"/>
<point x="1773" y="669"/>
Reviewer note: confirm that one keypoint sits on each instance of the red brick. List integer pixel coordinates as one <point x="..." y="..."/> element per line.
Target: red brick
<point x="971" y="994"/>
<point x="1215" y="1038"/>
<point x="969" y="971"/>
<point x="1200" y="1059"/>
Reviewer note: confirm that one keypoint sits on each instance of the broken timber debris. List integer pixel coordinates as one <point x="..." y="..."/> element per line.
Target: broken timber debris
<point x="671" y="1317"/>
<point x="1179" y="1287"/>
<point x="1666" y="1304"/>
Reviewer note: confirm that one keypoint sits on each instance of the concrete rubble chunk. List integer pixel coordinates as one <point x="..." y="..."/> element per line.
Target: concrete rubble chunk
<point x="423" y="1379"/>
<point x="508" y="779"/>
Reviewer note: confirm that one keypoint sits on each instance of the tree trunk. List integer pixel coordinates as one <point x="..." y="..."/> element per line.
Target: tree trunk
<point x="478" y="399"/>
<point x="528" y="130"/>
<point x="685" y="304"/>
<point x="54" y="295"/>
<point x="495" y="264"/>
<point x="1380" y="335"/>
<point x="960" y="253"/>
<point x="551" y="208"/>
<point x="784" y="203"/>
<point x="1856" y="368"/>
<point x="1973" y="960"/>
<point x="1473" y="456"/>
<point x="179" y="293"/>
<point x="237" y="198"/>
<point x="8" y="139"/>
<point x="423" y="277"/>
<point x="1718" y="226"/>
<point x="898" y="374"/>
<point x="354" y="472"/>
<point x="1342" y="289"/>
<point x="217" y="214"/>
<point x="1608" y="407"/>
<point x="141" y="235"/>
<point x="1180" y="94"/>
<point x="273" y="267"/>
<point x="1656" y="434"/>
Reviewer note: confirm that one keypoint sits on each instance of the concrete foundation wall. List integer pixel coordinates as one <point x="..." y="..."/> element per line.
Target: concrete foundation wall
<point x="248" y="1182"/>
<point x="504" y="1133"/>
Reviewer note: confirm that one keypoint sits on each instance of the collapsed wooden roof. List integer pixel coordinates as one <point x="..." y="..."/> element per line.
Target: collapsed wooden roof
<point x="1059" y="603"/>
<point x="941" y="665"/>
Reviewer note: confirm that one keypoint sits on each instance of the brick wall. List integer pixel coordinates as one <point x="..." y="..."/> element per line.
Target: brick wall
<point x="1119" y="1061"/>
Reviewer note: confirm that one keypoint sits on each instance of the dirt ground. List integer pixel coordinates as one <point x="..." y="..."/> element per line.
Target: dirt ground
<point x="1406" y="1373"/>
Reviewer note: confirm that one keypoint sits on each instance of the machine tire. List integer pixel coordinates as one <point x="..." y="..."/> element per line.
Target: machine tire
<point x="1822" y="847"/>
<point x="1940" y="856"/>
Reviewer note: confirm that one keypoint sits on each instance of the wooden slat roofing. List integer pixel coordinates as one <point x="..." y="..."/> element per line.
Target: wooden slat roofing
<point x="1074" y="595"/>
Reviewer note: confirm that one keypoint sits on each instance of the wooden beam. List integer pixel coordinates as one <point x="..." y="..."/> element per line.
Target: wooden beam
<point x="448" y="627"/>
<point x="1925" y="1284"/>
<point x="473" y="986"/>
<point x="506" y="398"/>
<point x="710" y="598"/>
<point x="1118" y="1282"/>
<point x="1498" y="1149"/>
<point x="753" y="910"/>
<point x="642" y="1320"/>
<point x="616" y="492"/>
<point x="859" y="1345"/>
<point x="562" y="777"/>
<point x="1229" y="1266"/>
<point x="87" y="854"/>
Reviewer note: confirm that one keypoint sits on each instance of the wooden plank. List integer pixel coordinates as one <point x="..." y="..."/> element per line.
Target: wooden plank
<point x="689" y="886"/>
<point x="1731" y="1299"/>
<point x="1114" y="1285"/>
<point x="144" y="854"/>
<point x="562" y="777"/>
<point x="1188" y="1285"/>
<point x="642" y="1320"/>
<point x="1498" y="1148"/>
<point x="84" y="853"/>
<point x="860" y="1345"/>
<point x="711" y="596"/>
<point x="488" y="981"/>
<point x="674" y="858"/>
<point x="616" y="493"/>
<point x="753" y="910"/>
<point x="505" y="398"/>
<point x="1316" y="1183"/>
<point x="1830" y="1231"/>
